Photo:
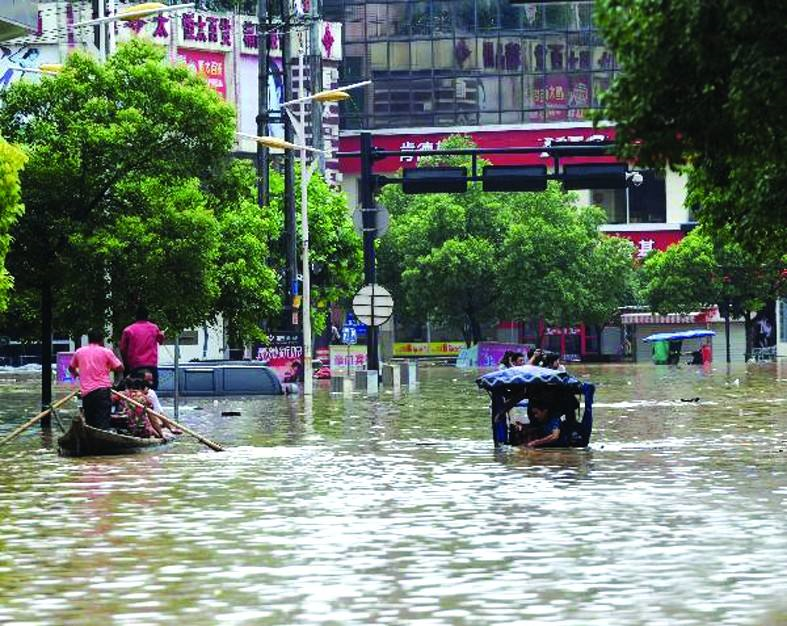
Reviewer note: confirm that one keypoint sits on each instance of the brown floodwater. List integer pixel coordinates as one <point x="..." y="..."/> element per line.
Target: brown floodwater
<point x="398" y="510"/>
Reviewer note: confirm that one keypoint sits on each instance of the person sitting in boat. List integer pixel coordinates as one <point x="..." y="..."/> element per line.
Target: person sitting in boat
<point x="149" y="379"/>
<point x="138" y="420"/>
<point x="547" y="425"/>
<point x="505" y="362"/>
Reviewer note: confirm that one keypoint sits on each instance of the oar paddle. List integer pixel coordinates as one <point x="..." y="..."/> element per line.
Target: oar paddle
<point x="211" y="444"/>
<point x="42" y="414"/>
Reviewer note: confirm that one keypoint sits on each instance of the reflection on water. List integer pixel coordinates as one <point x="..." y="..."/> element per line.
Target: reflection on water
<point x="398" y="510"/>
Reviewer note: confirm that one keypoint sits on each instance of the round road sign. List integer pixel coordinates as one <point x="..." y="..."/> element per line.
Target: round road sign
<point x="373" y="305"/>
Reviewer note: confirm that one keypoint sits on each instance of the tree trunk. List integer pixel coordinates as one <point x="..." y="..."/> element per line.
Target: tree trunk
<point x="46" y="352"/>
<point x="475" y="327"/>
<point x="599" y="333"/>
<point x="748" y="330"/>
<point x="467" y="335"/>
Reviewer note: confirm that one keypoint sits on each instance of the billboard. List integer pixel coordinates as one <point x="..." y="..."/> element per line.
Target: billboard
<point x="17" y="60"/>
<point x="209" y="65"/>
<point x="17" y="18"/>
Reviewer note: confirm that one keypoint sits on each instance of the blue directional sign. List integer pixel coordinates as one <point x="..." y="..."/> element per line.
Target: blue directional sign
<point x="349" y="335"/>
<point x="350" y="320"/>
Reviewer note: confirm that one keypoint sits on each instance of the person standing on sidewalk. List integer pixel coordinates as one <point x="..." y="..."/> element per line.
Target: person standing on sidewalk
<point x="93" y="364"/>
<point x="139" y="346"/>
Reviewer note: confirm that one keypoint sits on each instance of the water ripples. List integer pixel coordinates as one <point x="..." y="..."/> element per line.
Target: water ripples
<point x="399" y="511"/>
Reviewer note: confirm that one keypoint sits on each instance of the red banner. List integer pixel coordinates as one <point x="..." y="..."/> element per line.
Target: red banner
<point x="208" y="64"/>
<point x="429" y="140"/>
<point x="646" y="241"/>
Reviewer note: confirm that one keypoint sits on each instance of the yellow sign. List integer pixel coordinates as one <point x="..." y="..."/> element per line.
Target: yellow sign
<point x="434" y="348"/>
<point x="296" y="302"/>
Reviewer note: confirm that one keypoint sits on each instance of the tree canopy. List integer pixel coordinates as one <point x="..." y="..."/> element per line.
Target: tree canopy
<point x="11" y="162"/>
<point x="476" y="257"/>
<point x="702" y="85"/>
<point x="132" y="195"/>
<point x="335" y="249"/>
<point x="704" y="270"/>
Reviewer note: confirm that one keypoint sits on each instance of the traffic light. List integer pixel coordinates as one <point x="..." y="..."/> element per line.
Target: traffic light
<point x="594" y="176"/>
<point x="434" y="180"/>
<point x="515" y="178"/>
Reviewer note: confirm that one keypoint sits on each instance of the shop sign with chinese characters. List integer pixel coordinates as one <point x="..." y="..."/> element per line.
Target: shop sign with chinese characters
<point x="646" y="241"/>
<point x="525" y="138"/>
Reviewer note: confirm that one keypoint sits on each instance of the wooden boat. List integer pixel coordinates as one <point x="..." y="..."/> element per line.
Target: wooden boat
<point x="84" y="440"/>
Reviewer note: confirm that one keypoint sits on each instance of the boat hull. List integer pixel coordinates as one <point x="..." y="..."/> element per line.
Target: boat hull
<point x="84" y="440"/>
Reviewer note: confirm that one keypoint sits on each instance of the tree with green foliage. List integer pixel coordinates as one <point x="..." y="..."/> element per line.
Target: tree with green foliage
<point x="702" y="271"/>
<point x="131" y="195"/>
<point x="702" y="85"/>
<point x="476" y="257"/>
<point x="559" y="266"/>
<point x="248" y="282"/>
<point x="335" y="249"/>
<point x="438" y="257"/>
<point x="12" y="160"/>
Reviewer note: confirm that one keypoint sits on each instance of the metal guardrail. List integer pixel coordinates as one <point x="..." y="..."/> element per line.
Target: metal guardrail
<point x="764" y="354"/>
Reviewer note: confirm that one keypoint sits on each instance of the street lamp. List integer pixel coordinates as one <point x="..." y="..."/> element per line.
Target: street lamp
<point x="299" y="126"/>
<point x="128" y="14"/>
<point x="137" y="12"/>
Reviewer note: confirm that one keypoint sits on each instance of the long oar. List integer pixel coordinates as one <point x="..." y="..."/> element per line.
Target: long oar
<point x="169" y="422"/>
<point x="42" y="414"/>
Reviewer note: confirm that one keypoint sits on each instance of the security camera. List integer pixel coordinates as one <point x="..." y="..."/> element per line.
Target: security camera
<point x="635" y="178"/>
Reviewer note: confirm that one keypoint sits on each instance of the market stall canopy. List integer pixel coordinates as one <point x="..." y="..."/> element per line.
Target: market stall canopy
<point x="678" y="336"/>
<point x="525" y="375"/>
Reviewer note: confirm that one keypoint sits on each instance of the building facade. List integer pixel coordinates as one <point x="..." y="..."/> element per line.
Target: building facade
<point x="443" y="63"/>
<point x="221" y="46"/>
<point x="507" y="76"/>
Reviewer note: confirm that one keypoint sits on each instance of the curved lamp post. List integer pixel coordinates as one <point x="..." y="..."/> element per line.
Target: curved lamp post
<point x="129" y="14"/>
<point x="299" y="125"/>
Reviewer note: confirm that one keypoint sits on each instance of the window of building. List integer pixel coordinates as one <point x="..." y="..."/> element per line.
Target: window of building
<point x="558" y="63"/>
<point x="635" y="205"/>
<point x="783" y="320"/>
<point x="648" y="202"/>
<point x="613" y="201"/>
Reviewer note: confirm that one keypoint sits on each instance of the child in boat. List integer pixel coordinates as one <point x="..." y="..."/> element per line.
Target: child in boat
<point x="148" y="378"/>
<point x="138" y="421"/>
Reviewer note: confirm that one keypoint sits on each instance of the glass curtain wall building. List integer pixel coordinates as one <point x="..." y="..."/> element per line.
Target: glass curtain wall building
<point x="438" y="63"/>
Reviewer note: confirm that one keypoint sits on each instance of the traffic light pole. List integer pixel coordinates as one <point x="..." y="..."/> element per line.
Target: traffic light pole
<point x="607" y="176"/>
<point x="369" y="232"/>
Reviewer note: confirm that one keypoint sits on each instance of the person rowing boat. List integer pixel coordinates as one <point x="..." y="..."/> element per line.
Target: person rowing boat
<point x="93" y="364"/>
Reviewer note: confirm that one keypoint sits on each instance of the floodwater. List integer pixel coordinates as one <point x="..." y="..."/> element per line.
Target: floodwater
<point x="398" y="510"/>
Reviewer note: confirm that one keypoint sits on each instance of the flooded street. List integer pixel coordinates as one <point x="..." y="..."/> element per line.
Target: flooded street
<point x="398" y="510"/>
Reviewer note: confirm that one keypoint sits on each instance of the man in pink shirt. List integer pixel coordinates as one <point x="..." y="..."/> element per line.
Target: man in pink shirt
<point x="92" y="364"/>
<point x="139" y="346"/>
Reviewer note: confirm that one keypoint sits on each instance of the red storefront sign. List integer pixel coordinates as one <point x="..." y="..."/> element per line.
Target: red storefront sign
<point x="530" y="138"/>
<point x="646" y="241"/>
<point x="208" y="64"/>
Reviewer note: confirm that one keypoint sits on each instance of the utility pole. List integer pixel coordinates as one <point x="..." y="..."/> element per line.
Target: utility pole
<point x="369" y="234"/>
<point x="315" y="79"/>
<point x="290" y="238"/>
<point x="263" y="174"/>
